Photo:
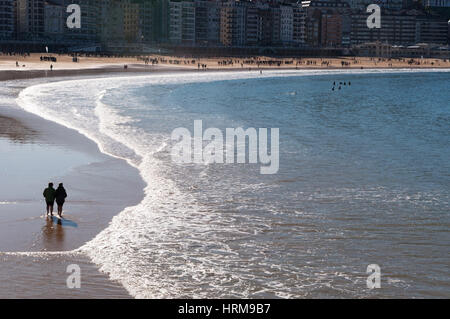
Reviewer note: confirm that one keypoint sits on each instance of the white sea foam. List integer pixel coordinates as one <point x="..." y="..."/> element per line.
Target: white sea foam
<point x="158" y="248"/>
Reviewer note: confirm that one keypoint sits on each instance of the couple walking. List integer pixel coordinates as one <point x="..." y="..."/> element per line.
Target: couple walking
<point x="51" y="195"/>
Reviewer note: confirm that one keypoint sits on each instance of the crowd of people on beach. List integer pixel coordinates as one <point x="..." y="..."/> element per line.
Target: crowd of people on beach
<point x="259" y="62"/>
<point x="12" y="53"/>
<point x="48" y="58"/>
<point x="242" y="62"/>
<point x="205" y="62"/>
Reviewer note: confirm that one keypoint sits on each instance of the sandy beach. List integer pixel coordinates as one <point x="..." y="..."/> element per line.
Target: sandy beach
<point x="138" y="64"/>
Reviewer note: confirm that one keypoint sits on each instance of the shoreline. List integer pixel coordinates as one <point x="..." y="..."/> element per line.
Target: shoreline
<point x="19" y="126"/>
<point x="11" y="75"/>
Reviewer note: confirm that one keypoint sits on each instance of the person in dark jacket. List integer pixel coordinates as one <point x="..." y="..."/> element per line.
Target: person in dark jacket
<point x="60" y="196"/>
<point x="49" y="194"/>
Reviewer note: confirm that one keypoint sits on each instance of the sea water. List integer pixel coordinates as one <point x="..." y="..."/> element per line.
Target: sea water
<point x="364" y="179"/>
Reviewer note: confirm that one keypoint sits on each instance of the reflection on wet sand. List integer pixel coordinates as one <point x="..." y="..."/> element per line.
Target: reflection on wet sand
<point x="53" y="233"/>
<point x="16" y="131"/>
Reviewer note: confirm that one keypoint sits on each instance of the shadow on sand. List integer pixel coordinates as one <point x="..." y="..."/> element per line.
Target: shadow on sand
<point x="64" y="222"/>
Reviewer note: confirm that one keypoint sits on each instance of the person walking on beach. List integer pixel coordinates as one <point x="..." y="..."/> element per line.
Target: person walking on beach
<point x="49" y="194"/>
<point x="60" y="196"/>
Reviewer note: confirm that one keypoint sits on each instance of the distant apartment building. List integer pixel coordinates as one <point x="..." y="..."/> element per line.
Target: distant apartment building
<point x="188" y="23"/>
<point x="201" y="23"/>
<point x="312" y="27"/>
<point x="252" y="26"/>
<point x="405" y="27"/>
<point x="385" y="4"/>
<point x="256" y="24"/>
<point x="132" y="30"/>
<point x="207" y="22"/>
<point x="182" y="22"/>
<point x="91" y="22"/>
<point x="397" y="29"/>
<point x="346" y="29"/>
<point x="41" y="19"/>
<point x="422" y="50"/>
<point x="299" y="25"/>
<point x="267" y="20"/>
<point x="111" y="21"/>
<point x="391" y="4"/>
<point x="120" y="22"/>
<point x="145" y="21"/>
<point x="160" y="20"/>
<point x="275" y="24"/>
<point x="227" y="21"/>
<point x="7" y="17"/>
<point x="326" y="5"/>
<point x="286" y="25"/>
<point x="324" y="22"/>
<point x="233" y="23"/>
<point x="54" y="19"/>
<point x="130" y="24"/>
<point x="431" y="30"/>
<point x="437" y="3"/>
<point x="331" y="30"/>
<point x="30" y="19"/>
<point x="175" y="19"/>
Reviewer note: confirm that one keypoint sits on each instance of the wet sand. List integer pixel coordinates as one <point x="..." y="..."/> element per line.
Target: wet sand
<point x="43" y="276"/>
<point x="15" y="131"/>
<point x="11" y="74"/>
